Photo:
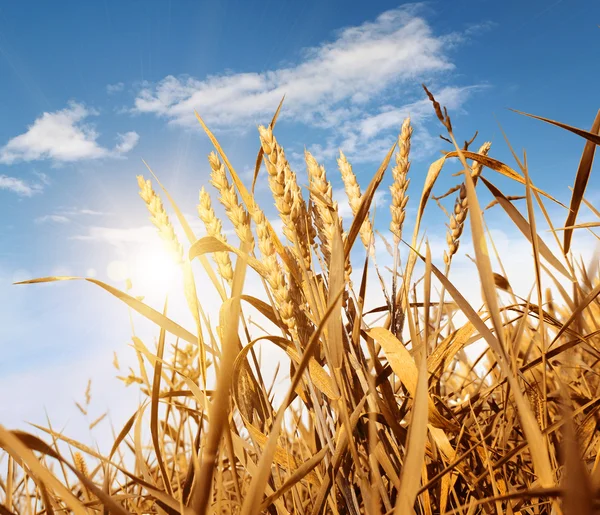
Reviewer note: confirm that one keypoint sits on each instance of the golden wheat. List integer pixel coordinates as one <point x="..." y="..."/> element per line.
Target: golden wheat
<point x="160" y="219"/>
<point x="399" y="187"/>
<point x="369" y="421"/>
<point x="460" y="211"/>
<point x="214" y="229"/>
<point x="354" y="197"/>
<point x="239" y="217"/>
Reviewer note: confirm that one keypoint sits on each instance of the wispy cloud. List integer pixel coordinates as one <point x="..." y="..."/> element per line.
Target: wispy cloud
<point x="127" y="142"/>
<point x="62" y="136"/>
<point x="333" y="82"/>
<point x="57" y="219"/>
<point x="63" y="216"/>
<point x="115" y="88"/>
<point x="43" y="178"/>
<point x="119" y="236"/>
<point x="19" y="186"/>
<point x="76" y="212"/>
<point x="352" y="84"/>
<point x="344" y="209"/>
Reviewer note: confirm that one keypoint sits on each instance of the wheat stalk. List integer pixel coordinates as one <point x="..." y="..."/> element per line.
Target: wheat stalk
<point x="461" y="209"/>
<point x="354" y="197"/>
<point x="323" y="204"/>
<point x="274" y="273"/>
<point x="214" y="228"/>
<point x="236" y="213"/>
<point x="159" y="217"/>
<point x="287" y="193"/>
<point x="399" y="187"/>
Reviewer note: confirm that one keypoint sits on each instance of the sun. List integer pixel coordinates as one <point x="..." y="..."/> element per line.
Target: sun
<point x="151" y="269"/>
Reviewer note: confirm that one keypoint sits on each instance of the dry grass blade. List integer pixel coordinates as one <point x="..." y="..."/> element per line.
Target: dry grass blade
<point x="151" y="314"/>
<point x="154" y="407"/>
<point x="404" y="367"/>
<point x="365" y="203"/>
<point x="503" y="169"/>
<point x="590" y="136"/>
<point x="578" y="489"/>
<point x="336" y="284"/>
<point x="257" y="486"/>
<point x="210" y="244"/>
<point x="219" y="409"/>
<point x="300" y="473"/>
<point x="415" y="454"/>
<point x="524" y="226"/>
<point x="584" y="225"/>
<point x="581" y="179"/>
<point x="537" y="445"/>
<point x="585" y="302"/>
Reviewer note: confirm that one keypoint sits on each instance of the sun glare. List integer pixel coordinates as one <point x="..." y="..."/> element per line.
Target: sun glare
<point x="152" y="271"/>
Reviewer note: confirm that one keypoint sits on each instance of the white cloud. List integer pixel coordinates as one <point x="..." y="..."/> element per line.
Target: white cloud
<point x="64" y="216"/>
<point x="61" y="136"/>
<point x="19" y="186"/>
<point x="344" y="209"/>
<point x="57" y="219"/>
<point x="76" y="212"/>
<point x="43" y="177"/>
<point x="115" y="88"/>
<point x="333" y="82"/>
<point x="362" y="83"/>
<point x="119" y="236"/>
<point x="127" y="142"/>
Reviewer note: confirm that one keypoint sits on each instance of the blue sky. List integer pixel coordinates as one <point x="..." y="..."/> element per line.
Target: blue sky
<point x="89" y="89"/>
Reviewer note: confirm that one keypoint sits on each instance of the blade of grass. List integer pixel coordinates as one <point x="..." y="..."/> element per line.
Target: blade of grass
<point x="137" y="305"/>
<point x="581" y="180"/>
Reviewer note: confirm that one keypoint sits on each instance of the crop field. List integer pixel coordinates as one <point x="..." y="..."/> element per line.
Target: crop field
<point x="384" y="410"/>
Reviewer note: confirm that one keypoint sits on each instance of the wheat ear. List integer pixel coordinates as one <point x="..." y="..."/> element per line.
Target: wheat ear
<point x="399" y="187"/>
<point x="159" y="217"/>
<point x="287" y="193"/>
<point x="274" y="273"/>
<point x="214" y="229"/>
<point x="461" y="209"/>
<point x="354" y="197"/>
<point x="323" y="204"/>
<point x="236" y="213"/>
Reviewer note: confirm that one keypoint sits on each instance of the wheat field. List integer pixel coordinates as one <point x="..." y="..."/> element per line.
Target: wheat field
<point x="383" y="410"/>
